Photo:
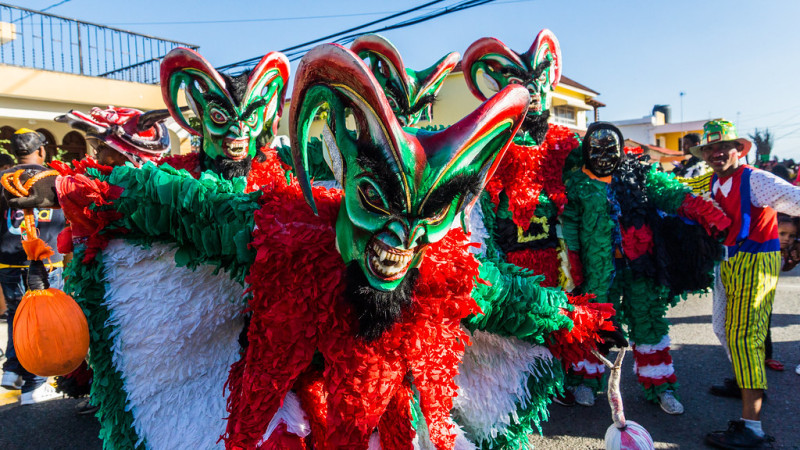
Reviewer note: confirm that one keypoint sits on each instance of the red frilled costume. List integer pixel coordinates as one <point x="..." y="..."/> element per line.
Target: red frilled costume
<point x="302" y="333"/>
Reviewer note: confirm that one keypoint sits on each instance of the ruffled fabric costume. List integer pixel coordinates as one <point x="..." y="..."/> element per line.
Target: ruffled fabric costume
<point x="639" y="241"/>
<point x="131" y="326"/>
<point x="516" y="362"/>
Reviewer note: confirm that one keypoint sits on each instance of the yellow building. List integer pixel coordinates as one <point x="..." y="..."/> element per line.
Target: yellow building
<point x="77" y="65"/>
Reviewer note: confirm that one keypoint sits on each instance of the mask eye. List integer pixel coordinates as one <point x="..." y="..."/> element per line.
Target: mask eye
<point x="440" y="215"/>
<point x="253" y="119"/>
<point x="514" y="80"/>
<point x="218" y="116"/>
<point x="371" y="198"/>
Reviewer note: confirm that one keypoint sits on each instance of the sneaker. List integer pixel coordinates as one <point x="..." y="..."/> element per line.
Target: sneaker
<point x="565" y="398"/>
<point x="669" y="403"/>
<point x="738" y="436"/>
<point x="584" y="395"/>
<point x="728" y="388"/>
<point x="11" y="381"/>
<point x="85" y="407"/>
<point x="43" y="393"/>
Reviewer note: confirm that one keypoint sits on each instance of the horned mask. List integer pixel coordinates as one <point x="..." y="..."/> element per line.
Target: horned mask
<point x="403" y="187"/>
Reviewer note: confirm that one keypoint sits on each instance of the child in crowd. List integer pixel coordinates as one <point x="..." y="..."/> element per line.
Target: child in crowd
<point x="788" y="228"/>
<point x="787" y="235"/>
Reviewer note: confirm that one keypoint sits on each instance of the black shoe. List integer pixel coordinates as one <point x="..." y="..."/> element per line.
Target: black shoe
<point x="728" y="388"/>
<point x="737" y="436"/>
<point x="85" y="407"/>
<point x="564" y="399"/>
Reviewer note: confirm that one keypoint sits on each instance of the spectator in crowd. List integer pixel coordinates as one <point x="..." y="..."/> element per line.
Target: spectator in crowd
<point x="29" y="148"/>
<point x="746" y="281"/>
<point x="693" y="166"/>
<point x="787" y="235"/>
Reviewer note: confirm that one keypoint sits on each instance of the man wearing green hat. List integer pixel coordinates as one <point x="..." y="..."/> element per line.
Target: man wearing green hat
<point x="746" y="280"/>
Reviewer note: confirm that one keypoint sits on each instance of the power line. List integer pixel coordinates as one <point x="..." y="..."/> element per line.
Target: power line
<point x="251" y="61"/>
<point x="266" y="19"/>
<point x="296" y="51"/>
<point x="273" y="19"/>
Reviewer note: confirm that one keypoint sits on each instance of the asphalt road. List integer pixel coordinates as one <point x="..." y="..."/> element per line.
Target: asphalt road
<point x="698" y="359"/>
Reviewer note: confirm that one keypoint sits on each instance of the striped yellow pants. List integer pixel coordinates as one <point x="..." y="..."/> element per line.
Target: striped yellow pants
<point x="750" y="280"/>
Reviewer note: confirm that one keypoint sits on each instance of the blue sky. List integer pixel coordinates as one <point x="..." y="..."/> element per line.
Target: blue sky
<point x="733" y="59"/>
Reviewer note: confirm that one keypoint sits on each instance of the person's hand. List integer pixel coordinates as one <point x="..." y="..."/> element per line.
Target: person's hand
<point x="611" y="338"/>
<point x="791" y="256"/>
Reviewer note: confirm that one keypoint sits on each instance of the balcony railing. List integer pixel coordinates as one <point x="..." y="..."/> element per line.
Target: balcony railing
<point x="38" y="40"/>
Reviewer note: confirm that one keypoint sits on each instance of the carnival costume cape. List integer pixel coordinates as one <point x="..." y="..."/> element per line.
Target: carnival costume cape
<point x="204" y="217"/>
<point x="136" y="297"/>
<point x="507" y="378"/>
<point x="643" y="240"/>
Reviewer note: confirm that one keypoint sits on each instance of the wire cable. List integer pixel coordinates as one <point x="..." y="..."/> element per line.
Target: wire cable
<point x="343" y="37"/>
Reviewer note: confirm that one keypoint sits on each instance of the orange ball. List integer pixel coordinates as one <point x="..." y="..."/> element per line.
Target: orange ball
<point x="51" y="335"/>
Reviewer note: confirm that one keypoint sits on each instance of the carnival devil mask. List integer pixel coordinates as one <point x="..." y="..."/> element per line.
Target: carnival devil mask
<point x="410" y="93"/>
<point x="238" y="115"/>
<point x="602" y="148"/>
<point x="538" y="69"/>
<point x="403" y="187"/>
<point x="138" y="136"/>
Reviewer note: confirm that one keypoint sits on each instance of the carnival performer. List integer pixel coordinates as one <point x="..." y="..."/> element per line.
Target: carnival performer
<point x="508" y="377"/>
<point x="28" y="147"/>
<point x="133" y="327"/>
<point x="354" y="302"/>
<point x="410" y="93"/>
<point x="117" y="136"/>
<point x="747" y="278"/>
<point x="626" y="221"/>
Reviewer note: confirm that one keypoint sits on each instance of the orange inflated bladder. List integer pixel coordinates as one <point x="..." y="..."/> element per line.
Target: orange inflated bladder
<point x="51" y="334"/>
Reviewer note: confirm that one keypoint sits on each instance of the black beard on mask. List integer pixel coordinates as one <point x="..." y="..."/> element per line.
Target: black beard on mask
<point x="536" y="126"/>
<point x="377" y="310"/>
<point x="226" y="167"/>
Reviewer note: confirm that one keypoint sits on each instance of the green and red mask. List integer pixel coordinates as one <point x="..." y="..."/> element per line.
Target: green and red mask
<point x="238" y="114"/>
<point x="403" y="187"/>
<point x="410" y="93"/>
<point x="497" y="66"/>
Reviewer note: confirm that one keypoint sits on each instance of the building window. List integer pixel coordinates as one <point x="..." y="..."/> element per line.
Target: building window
<point x="565" y="115"/>
<point x="75" y="146"/>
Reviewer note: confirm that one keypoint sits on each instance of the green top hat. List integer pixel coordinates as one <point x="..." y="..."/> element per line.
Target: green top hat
<point x="720" y="131"/>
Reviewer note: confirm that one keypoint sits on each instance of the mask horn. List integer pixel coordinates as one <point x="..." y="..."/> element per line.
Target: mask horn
<point x="332" y="75"/>
<point x="150" y="118"/>
<point x="185" y="67"/>
<point x="546" y="46"/>
<point x="477" y="56"/>
<point x="377" y="47"/>
<point x="273" y="68"/>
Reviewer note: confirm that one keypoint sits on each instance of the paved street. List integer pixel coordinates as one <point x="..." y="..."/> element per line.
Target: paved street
<point x="699" y="362"/>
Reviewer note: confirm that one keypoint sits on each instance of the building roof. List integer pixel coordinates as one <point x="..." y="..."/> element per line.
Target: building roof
<point x="570" y="82"/>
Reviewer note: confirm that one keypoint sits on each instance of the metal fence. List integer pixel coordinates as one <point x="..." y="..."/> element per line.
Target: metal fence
<point x="38" y="40"/>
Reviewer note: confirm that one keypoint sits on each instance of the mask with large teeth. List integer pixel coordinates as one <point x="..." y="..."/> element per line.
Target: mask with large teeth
<point x="404" y="188"/>
<point x="237" y="114"/>
<point x="410" y="93"/>
<point x="489" y="65"/>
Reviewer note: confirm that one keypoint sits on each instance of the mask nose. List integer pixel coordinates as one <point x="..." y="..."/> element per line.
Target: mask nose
<point x="408" y="234"/>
